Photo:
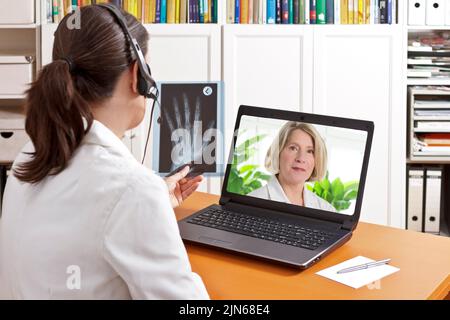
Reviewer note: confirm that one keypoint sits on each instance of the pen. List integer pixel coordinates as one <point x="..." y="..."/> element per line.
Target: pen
<point x="364" y="266"/>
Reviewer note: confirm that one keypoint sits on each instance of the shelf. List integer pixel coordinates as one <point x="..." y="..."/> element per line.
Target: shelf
<point x="428" y="82"/>
<point x="18" y="26"/>
<point x="429" y="92"/>
<point x="431" y="118"/>
<point x="429" y="160"/>
<point x="432" y="130"/>
<point x="429" y="28"/>
<point x="430" y="107"/>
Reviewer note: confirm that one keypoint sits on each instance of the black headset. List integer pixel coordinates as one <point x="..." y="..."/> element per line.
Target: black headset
<point x="146" y="85"/>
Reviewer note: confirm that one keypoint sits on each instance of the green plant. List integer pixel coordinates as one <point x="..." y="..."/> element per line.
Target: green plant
<point x="244" y="177"/>
<point x="337" y="193"/>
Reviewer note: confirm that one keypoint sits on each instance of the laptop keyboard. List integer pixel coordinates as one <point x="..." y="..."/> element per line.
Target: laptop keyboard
<point x="262" y="228"/>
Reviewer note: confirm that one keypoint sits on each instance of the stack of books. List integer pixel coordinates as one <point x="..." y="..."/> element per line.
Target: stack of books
<point x="429" y="57"/>
<point x="433" y="144"/>
<point x="312" y="11"/>
<point x="146" y="11"/>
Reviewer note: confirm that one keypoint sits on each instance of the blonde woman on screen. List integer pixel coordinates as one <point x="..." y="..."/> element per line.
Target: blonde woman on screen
<point x="297" y="155"/>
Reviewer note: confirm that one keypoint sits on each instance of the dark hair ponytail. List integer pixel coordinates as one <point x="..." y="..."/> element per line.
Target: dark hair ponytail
<point x="87" y="64"/>
<point x="55" y="122"/>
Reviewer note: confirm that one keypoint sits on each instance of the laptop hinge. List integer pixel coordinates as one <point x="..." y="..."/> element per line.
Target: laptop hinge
<point x="347" y="225"/>
<point x="224" y="200"/>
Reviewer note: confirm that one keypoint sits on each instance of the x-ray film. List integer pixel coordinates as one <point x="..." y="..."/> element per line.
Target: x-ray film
<point x="189" y="127"/>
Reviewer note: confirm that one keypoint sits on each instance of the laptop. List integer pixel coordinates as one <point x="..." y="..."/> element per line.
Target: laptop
<point x="292" y="190"/>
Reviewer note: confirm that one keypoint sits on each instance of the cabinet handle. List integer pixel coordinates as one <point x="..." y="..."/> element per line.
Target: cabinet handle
<point x="6" y="134"/>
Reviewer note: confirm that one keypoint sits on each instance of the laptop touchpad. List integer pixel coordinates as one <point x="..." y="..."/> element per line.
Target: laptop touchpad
<point x="215" y="241"/>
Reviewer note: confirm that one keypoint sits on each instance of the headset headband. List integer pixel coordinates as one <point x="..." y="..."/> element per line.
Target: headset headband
<point x="143" y="67"/>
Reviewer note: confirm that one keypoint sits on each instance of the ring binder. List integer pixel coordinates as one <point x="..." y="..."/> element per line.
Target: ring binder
<point x="414" y="210"/>
<point x="433" y="200"/>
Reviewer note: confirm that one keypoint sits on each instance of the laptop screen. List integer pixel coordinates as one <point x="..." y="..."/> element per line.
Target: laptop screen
<point x="298" y="163"/>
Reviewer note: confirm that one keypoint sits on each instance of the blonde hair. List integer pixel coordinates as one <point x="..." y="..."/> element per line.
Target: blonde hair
<point x="272" y="161"/>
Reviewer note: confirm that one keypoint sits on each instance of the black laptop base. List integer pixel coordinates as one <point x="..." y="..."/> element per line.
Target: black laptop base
<point x="295" y="241"/>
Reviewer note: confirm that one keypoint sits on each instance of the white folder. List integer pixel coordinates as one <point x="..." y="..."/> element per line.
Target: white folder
<point x="415" y="199"/>
<point x="435" y="12"/>
<point x="416" y="12"/>
<point x="433" y="201"/>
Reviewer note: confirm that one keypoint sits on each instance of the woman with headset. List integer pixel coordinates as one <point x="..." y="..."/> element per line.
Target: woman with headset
<point x="81" y="217"/>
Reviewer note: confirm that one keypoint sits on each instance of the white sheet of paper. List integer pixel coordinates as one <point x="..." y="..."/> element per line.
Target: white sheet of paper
<point x="357" y="279"/>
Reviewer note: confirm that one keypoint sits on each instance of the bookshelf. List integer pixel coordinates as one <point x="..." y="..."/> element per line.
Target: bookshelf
<point x="428" y="102"/>
<point x="18" y="40"/>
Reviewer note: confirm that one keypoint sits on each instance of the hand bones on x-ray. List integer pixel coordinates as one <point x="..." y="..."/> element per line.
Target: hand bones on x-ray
<point x="188" y="141"/>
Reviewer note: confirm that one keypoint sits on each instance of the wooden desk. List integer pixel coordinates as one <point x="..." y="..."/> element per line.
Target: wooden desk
<point x="423" y="259"/>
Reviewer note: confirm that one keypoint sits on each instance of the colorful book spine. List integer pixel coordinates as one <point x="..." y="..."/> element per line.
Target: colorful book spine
<point x="49" y="8"/>
<point x="389" y="11"/>
<point x="256" y="9"/>
<point x="344" y="11"/>
<point x="350" y="12"/>
<point x="262" y="9"/>
<point x="146" y="11"/>
<point x="278" y="11"/>
<point x="250" y="11"/>
<point x="291" y="11"/>
<point x="321" y="12"/>
<point x="61" y="9"/>
<point x="394" y="10"/>
<point x="361" y="12"/>
<point x="141" y="7"/>
<point x="244" y="12"/>
<point x="301" y="12"/>
<point x="329" y="11"/>
<point x="214" y="10"/>
<point x="55" y="11"/>
<point x="177" y="11"/>
<point x="207" y="12"/>
<point x="307" y="12"/>
<point x="284" y="11"/>
<point x="368" y="15"/>
<point x="383" y="11"/>
<point x="163" y="11"/>
<point x="271" y="11"/>
<point x="183" y="11"/>
<point x="312" y="12"/>
<point x="337" y="12"/>
<point x="170" y="11"/>
<point x="230" y="10"/>
<point x="296" y="11"/>
<point x="237" y="11"/>
<point x="158" y="11"/>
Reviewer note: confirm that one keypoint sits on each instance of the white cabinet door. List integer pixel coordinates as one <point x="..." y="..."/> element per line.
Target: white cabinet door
<point x="267" y="66"/>
<point x="357" y="74"/>
<point x="181" y="53"/>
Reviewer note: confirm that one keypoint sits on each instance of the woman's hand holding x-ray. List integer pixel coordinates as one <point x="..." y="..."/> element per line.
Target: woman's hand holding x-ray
<point x="180" y="187"/>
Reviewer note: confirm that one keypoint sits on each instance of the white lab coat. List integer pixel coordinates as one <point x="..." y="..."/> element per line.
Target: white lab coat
<point x="273" y="191"/>
<point x="101" y="229"/>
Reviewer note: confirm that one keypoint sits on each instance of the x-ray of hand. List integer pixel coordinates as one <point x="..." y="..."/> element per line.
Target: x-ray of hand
<point x="191" y="141"/>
